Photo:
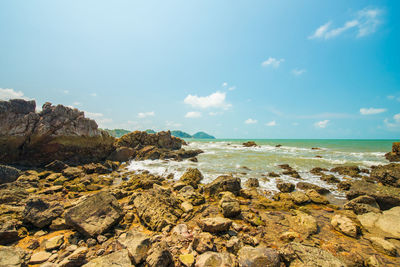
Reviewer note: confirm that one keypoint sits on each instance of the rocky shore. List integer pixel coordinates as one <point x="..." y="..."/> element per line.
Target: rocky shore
<point x="58" y="208"/>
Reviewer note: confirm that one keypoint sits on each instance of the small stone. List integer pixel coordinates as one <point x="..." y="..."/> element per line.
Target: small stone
<point x="215" y="225"/>
<point x="258" y="256"/>
<point x="91" y="242"/>
<point x="203" y="242"/>
<point x="119" y="258"/>
<point x="252" y="183"/>
<point x="186" y="207"/>
<point x="54" y="242"/>
<point x="186" y="259"/>
<point x="215" y="259"/>
<point x="289" y="236"/>
<point x="39" y="257"/>
<point x="285" y="187"/>
<point x="101" y="239"/>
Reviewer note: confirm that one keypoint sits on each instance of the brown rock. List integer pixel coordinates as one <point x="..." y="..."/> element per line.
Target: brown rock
<point x="249" y="144"/>
<point x="214" y="225"/>
<point x="41" y="213"/>
<point x="223" y="183"/>
<point x="192" y="177"/>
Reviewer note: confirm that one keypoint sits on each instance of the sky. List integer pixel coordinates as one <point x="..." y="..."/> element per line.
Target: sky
<point x="234" y="69"/>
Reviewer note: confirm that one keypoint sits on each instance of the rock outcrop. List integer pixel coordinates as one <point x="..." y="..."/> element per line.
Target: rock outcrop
<point x="395" y="154"/>
<point x="8" y="174"/>
<point x="55" y="133"/>
<point x="387" y="174"/>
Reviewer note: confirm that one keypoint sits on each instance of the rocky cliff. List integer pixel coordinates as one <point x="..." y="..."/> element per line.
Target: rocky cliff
<point x="57" y="132"/>
<point x="395" y="154"/>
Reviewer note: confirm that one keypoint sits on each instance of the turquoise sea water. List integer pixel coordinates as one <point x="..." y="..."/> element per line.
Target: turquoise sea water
<point x="229" y="156"/>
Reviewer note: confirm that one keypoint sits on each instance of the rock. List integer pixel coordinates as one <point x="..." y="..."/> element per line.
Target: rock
<point x="157" y="208"/>
<point x="214" y="225"/>
<point x="8" y="174"/>
<point x="387" y="174"/>
<point x="386" y="221"/>
<point x="229" y="205"/>
<point x="273" y="174"/>
<point x="138" y="244"/>
<point x="306" y="186"/>
<point x="41" y="213"/>
<point x="362" y="204"/>
<point x="330" y="179"/>
<point x="293" y="173"/>
<point x="56" y="166"/>
<point x="189" y="194"/>
<point x="304" y="223"/>
<point x="258" y="257"/>
<point x="186" y="206"/>
<point x="352" y="171"/>
<point x="318" y="171"/>
<point x="72" y="172"/>
<point x="345" y="225"/>
<point x="285" y="187"/>
<point x="383" y="245"/>
<point x="395" y="154"/>
<point x="39" y="257"/>
<point x="58" y="224"/>
<point x="296" y="254"/>
<point x="299" y="198"/>
<point x="249" y="144"/>
<point x="203" y="242"/>
<point x="316" y="197"/>
<point x="76" y="258"/>
<point x="94" y="215"/>
<point x="192" y="177"/>
<point x="8" y="233"/>
<point x="144" y="181"/>
<point x="141" y="139"/>
<point x="95" y="168"/>
<point x="223" y="183"/>
<point x="386" y="196"/>
<point x="159" y="256"/>
<point x="119" y="258"/>
<point x="54" y="242"/>
<point x="12" y="257"/>
<point x="215" y="259"/>
<point x="186" y="259"/>
<point x="252" y="183"/>
<point x="122" y="154"/>
<point x="56" y="133"/>
<point x="344" y="185"/>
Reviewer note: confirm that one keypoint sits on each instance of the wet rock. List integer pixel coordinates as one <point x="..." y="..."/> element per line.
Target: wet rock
<point x="192" y="177"/>
<point x="387" y="174"/>
<point x="95" y="214"/>
<point x="285" y="187"/>
<point x="345" y="225"/>
<point x="122" y="154"/>
<point x="157" y="208"/>
<point x="273" y="174"/>
<point x="54" y="242"/>
<point x="258" y="257"/>
<point x="299" y="198"/>
<point x="72" y="172"/>
<point x="8" y="174"/>
<point x="13" y="257"/>
<point x="215" y="259"/>
<point x="386" y="196"/>
<point x="330" y="179"/>
<point x="249" y="144"/>
<point x="304" y="223"/>
<point x="306" y="186"/>
<point x="296" y="254"/>
<point x="383" y="245"/>
<point x="39" y="257"/>
<point x="41" y="213"/>
<point x="395" y="154"/>
<point x="56" y="166"/>
<point x="362" y="204"/>
<point x="344" y="185"/>
<point x="144" y="181"/>
<point x="223" y="183"/>
<point x="159" y="256"/>
<point x="318" y="171"/>
<point x="252" y="183"/>
<point x="229" y="205"/>
<point x="95" y="168"/>
<point x="189" y="194"/>
<point x="316" y="197"/>
<point x="214" y="225"/>
<point x="352" y="171"/>
<point x="119" y="258"/>
<point x="13" y="193"/>
<point x="138" y="244"/>
<point x="203" y="242"/>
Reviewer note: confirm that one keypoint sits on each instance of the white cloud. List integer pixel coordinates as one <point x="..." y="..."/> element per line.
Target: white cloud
<point x="93" y="94"/>
<point x="371" y="111"/>
<point x="232" y="88"/>
<point x="250" y="121"/>
<point x="214" y="113"/>
<point x="93" y="115"/>
<point x="321" y="124"/>
<point x="298" y="72"/>
<point x="395" y="123"/>
<point x="365" y="22"/>
<point x="215" y="100"/>
<point x="8" y="93"/>
<point x="272" y="62"/>
<point x="142" y="115"/>
<point x="271" y="123"/>
<point x="224" y="84"/>
<point x="193" y="114"/>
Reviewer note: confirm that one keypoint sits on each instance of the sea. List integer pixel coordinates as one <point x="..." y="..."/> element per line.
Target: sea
<point x="229" y="156"/>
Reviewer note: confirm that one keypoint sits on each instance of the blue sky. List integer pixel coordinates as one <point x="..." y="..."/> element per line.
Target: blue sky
<point x="235" y="69"/>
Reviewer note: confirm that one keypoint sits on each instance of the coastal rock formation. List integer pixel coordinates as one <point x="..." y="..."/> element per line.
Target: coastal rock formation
<point x="395" y="154"/>
<point x="387" y="174"/>
<point x="249" y="144"/>
<point x="8" y="174"/>
<point x="139" y="140"/>
<point x="55" y="133"/>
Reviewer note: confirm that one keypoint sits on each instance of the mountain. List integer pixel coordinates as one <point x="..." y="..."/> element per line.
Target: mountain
<point x="117" y="132"/>
<point x="180" y="134"/>
<point x="150" y="131"/>
<point x="203" y="135"/>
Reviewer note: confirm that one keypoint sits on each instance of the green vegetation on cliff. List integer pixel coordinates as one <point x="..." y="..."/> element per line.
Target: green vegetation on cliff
<point x="117" y="132"/>
<point x="180" y="134"/>
<point x="203" y="135"/>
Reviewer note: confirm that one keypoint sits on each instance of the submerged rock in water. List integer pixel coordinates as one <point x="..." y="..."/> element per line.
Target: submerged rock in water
<point x="258" y="256"/>
<point x="249" y="144"/>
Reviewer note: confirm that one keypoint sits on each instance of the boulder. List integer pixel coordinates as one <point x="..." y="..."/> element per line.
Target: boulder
<point x="386" y="221"/>
<point x="8" y="232"/>
<point x="362" y="204"/>
<point x="249" y="144"/>
<point x="119" y="258"/>
<point x="122" y="154"/>
<point x="306" y="186"/>
<point x="258" y="257"/>
<point x="73" y="172"/>
<point x="13" y="192"/>
<point x="395" y="154"/>
<point x="223" y="183"/>
<point x="159" y="256"/>
<point x="187" y="259"/>
<point x="55" y="133"/>
<point x="95" y="168"/>
<point x="54" y="242"/>
<point x="345" y="225"/>
<point x="56" y="166"/>
<point x="316" y="197"/>
<point x="189" y="194"/>
<point x="138" y="244"/>
<point x="296" y="254"/>
<point x="192" y="176"/>
<point x="13" y="257"/>
<point x="229" y="205"/>
<point x="304" y="223"/>
<point x="95" y="214"/>
<point x="157" y="208"/>
<point x="39" y="257"/>
<point x="76" y="258"/>
<point x="383" y="245"/>
<point x="252" y="183"/>
<point x="215" y="259"/>
<point x="299" y="198"/>
<point x="352" y="171"/>
<point x="41" y="213"/>
<point x="330" y="178"/>
<point x="139" y="140"/>
<point x="214" y="225"/>
<point x="8" y="174"/>
<point x="387" y="174"/>
<point x="203" y="242"/>
<point x="285" y="187"/>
